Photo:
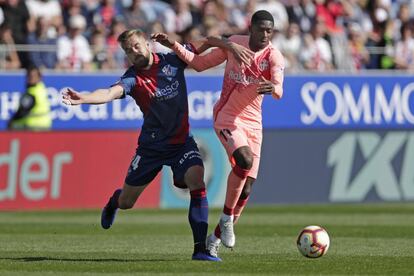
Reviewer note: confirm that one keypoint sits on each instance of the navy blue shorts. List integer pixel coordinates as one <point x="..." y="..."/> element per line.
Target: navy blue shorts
<point x="147" y="163"/>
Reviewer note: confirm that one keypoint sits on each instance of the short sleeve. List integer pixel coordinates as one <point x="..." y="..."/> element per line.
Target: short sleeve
<point x="127" y="81"/>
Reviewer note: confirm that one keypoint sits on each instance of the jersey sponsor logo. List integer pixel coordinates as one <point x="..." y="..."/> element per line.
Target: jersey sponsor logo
<point x="189" y="155"/>
<point x="242" y="78"/>
<point x="167" y="92"/>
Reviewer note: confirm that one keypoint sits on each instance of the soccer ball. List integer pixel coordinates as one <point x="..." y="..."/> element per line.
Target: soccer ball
<point x="313" y="241"/>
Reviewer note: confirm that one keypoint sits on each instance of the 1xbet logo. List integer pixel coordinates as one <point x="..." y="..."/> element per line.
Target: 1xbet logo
<point x="365" y="162"/>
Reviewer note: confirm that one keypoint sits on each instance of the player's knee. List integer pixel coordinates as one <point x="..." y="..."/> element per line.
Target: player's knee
<point x="248" y="162"/>
<point x="244" y="159"/>
<point x="193" y="178"/>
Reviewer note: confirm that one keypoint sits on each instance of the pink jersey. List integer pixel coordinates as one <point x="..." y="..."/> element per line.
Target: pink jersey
<point x="239" y="103"/>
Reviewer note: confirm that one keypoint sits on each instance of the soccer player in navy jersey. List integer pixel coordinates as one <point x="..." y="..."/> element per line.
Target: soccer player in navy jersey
<point x="156" y="82"/>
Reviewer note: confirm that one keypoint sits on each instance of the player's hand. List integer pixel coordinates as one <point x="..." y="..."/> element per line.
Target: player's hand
<point x="242" y="55"/>
<point x="266" y="87"/>
<point x="163" y="39"/>
<point x="71" y="97"/>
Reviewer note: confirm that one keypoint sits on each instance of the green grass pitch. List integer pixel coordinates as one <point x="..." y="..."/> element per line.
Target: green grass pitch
<point x="372" y="239"/>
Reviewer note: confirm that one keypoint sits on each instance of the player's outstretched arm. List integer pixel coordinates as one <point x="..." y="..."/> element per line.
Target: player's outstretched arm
<point x="242" y="55"/>
<point x="99" y="96"/>
<point x="197" y="62"/>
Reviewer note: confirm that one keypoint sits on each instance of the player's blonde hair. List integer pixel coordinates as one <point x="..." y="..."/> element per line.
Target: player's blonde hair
<point x="122" y="38"/>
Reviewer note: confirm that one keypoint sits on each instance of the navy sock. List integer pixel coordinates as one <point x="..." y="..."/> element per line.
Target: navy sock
<point x="113" y="201"/>
<point x="198" y="217"/>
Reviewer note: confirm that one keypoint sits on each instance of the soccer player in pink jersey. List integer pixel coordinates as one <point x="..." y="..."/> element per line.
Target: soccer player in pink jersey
<point x="238" y="112"/>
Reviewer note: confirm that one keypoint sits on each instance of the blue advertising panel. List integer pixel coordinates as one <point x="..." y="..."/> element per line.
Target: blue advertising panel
<point x="343" y="102"/>
<point x="309" y="102"/>
<point x="119" y="114"/>
<point x="335" y="166"/>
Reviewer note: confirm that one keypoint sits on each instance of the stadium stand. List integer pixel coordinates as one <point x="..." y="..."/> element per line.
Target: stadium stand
<point x="315" y="35"/>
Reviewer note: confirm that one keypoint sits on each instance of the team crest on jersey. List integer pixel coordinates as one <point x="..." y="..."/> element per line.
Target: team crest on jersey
<point x="263" y="65"/>
<point x="169" y="71"/>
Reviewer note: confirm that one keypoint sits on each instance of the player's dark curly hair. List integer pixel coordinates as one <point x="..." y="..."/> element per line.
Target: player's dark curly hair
<point x="262" y="15"/>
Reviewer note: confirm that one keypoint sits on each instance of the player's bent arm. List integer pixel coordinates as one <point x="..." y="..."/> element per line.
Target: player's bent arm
<point x="277" y="68"/>
<point x="199" y="63"/>
<point x="278" y="91"/>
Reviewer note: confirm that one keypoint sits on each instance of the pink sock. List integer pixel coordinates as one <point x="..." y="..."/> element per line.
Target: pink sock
<point x="234" y="188"/>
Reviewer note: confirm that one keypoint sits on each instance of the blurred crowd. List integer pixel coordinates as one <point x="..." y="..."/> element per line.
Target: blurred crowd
<point x="315" y="35"/>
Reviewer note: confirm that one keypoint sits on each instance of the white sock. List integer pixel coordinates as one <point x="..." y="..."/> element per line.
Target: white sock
<point x="227" y="217"/>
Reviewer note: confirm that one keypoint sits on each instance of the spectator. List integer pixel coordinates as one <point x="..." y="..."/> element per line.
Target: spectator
<point x="16" y="16"/>
<point x="215" y="18"/>
<point x="316" y="54"/>
<point x="290" y="46"/>
<point x="182" y="17"/>
<point x="383" y="10"/>
<point x="157" y="27"/>
<point x="359" y="55"/>
<point x="45" y="57"/>
<point x="9" y="59"/>
<point x="329" y="11"/>
<point x="404" y="49"/>
<point x="1" y="15"/>
<point x="192" y="33"/>
<point x="102" y="57"/>
<point x="355" y="12"/>
<point x="139" y="15"/>
<point x="118" y="55"/>
<point x="303" y="14"/>
<point x="278" y="11"/>
<point x="73" y="49"/>
<point x="50" y="10"/>
<point x="106" y="13"/>
<point x="74" y="7"/>
<point x="403" y="17"/>
<point x="240" y="14"/>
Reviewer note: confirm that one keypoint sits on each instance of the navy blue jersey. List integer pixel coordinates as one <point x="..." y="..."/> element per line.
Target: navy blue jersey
<point x="161" y="94"/>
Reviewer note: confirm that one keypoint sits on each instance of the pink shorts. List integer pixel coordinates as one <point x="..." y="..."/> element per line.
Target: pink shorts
<point x="234" y="137"/>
